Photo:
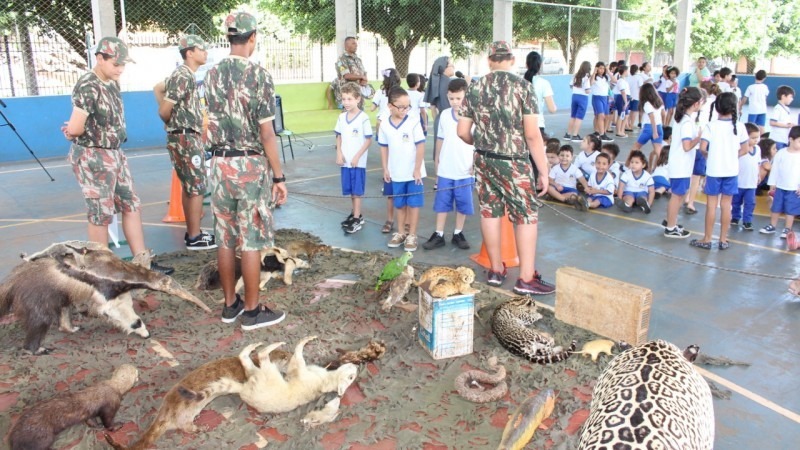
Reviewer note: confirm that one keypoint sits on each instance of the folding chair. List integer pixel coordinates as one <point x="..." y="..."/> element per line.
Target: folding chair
<point x="280" y="131"/>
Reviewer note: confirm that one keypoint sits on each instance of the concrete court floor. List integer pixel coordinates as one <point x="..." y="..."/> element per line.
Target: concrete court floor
<point x="737" y="315"/>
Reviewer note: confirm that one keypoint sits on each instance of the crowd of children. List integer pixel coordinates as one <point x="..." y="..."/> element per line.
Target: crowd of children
<point x="731" y="160"/>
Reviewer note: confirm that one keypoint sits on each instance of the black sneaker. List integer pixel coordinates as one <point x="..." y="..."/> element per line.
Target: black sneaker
<point x="496" y="278"/>
<point x="354" y="225"/>
<point x="567" y="137"/>
<point x="230" y="313"/>
<point x="577" y="138"/>
<point x="664" y="224"/>
<point x="606" y="138"/>
<point x="435" y="241"/>
<point x="460" y="241"/>
<point x="621" y="205"/>
<point x="203" y="241"/>
<point x="641" y="202"/>
<point x="747" y="226"/>
<point x="165" y="270"/>
<point x="734" y="222"/>
<point x="676" y="233"/>
<point x="261" y="317"/>
<point x="347" y="221"/>
<point x="536" y="286"/>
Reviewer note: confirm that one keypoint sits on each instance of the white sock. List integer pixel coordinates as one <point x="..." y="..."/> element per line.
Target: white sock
<point x="440" y="233"/>
<point x="456" y="231"/>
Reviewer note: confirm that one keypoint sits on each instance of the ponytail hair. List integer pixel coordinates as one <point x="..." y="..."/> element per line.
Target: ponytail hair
<point x="766" y="147"/>
<point x="583" y="72"/>
<point x="689" y="96"/>
<point x="726" y="105"/>
<point x="534" y="63"/>
<point x="391" y="78"/>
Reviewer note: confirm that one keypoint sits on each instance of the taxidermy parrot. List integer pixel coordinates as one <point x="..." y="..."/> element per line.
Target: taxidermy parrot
<point x="393" y="268"/>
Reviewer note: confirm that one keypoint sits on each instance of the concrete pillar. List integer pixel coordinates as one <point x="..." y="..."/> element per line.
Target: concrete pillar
<point x="683" y="31"/>
<point x="103" y="19"/>
<point x="608" y="31"/>
<point x="502" y="20"/>
<point x="346" y="22"/>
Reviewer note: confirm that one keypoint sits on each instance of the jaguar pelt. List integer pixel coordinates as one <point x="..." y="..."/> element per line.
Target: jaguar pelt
<point x="445" y="281"/>
<point x="650" y="397"/>
<point x="510" y="325"/>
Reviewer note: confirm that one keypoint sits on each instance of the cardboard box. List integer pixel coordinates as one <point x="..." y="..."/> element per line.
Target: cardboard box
<point x="608" y="307"/>
<point x="446" y="325"/>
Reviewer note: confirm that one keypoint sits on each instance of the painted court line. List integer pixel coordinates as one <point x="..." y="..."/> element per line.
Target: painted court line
<point x="752" y="396"/>
<point x="58" y="166"/>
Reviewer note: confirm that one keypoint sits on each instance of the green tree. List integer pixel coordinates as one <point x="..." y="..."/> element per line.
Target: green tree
<point x="71" y="19"/>
<point x="783" y="34"/>
<point x="403" y="24"/>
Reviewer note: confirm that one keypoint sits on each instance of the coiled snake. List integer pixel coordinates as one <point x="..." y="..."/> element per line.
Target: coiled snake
<point x="468" y="384"/>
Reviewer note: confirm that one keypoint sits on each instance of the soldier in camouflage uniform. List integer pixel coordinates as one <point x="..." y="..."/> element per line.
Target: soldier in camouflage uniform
<point x="96" y="129"/>
<point x="350" y="68"/>
<point x="502" y="106"/>
<point x="246" y="175"/>
<point x="179" y="107"/>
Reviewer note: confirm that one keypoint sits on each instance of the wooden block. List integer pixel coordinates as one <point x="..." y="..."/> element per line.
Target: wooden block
<point x="608" y="307"/>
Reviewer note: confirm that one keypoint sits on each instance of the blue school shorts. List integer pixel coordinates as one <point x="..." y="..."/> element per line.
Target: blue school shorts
<point x="647" y="134"/>
<point x="461" y="196"/>
<point x="679" y="186"/>
<point x="635" y="195"/>
<point x="722" y="186"/>
<point x="634" y="105"/>
<point x="786" y="202"/>
<point x="354" y="181"/>
<point x="699" y="164"/>
<point x="661" y="182"/>
<point x="567" y="190"/>
<point x="619" y="103"/>
<point x="600" y="104"/>
<point x="408" y="187"/>
<point x="578" y="107"/>
<point x="758" y="119"/>
<point x="387" y="189"/>
<point x="671" y="100"/>
<point x="603" y="199"/>
<point x="663" y="96"/>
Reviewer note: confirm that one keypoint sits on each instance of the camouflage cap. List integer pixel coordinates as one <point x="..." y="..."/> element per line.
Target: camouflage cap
<point x="191" y="41"/>
<point x="499" y="48"/>
<point x="115" y="48"/>
<point x="240" y="23"/>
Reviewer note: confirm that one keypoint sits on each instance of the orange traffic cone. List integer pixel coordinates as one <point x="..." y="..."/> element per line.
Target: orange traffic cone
<point x="175" y="210"/>
<point x="792" y="243"/>
<point x="508" y="246"/>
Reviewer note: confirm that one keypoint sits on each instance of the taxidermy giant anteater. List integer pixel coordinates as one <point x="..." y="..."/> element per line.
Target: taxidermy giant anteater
<point x="41" y="290"/>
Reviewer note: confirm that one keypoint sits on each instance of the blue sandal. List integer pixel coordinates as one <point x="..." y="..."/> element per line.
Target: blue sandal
<point x="724" y="245"/>
<point x="700" y="244"/>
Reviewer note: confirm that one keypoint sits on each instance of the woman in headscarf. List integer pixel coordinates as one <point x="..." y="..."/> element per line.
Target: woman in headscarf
<point x="436" y="92"/>
<point x="542" y="88"/>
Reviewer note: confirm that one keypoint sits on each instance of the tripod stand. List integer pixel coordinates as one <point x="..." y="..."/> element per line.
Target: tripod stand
<point x="14" y="129"/>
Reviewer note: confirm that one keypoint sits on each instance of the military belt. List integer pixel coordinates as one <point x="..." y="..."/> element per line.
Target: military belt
<point x="493" y="155"/>
<point x="234" y="153"/>
<point x="183" y="131"/>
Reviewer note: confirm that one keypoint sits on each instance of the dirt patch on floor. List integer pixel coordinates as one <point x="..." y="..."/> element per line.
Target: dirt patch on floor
<point x="404" y="400"/>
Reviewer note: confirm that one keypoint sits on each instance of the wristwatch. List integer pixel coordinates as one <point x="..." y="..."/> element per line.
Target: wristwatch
<point x="279" y="180"/>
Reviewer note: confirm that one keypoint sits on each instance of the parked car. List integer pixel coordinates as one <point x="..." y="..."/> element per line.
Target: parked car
<point x="550" y="66"/>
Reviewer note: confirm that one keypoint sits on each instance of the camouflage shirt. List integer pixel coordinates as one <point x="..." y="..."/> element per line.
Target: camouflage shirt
<point x="496" y="104"/>
<point x="102" y="103"/>
<point x="181" y="91"/>
<point x="240" y="96"/>
<point x="349" y="63"/>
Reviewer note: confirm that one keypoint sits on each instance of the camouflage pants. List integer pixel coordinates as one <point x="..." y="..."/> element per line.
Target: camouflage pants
<point x="507" y="187"/>
<point x="187" y="154"/>
<point x="241" y="190"/>
<point x="105" y="180"/>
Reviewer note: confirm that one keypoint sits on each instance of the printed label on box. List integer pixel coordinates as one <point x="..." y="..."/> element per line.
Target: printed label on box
<point x="446" y="324"/>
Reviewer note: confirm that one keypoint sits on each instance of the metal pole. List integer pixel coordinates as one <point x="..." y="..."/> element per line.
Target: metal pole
<point x="321" y="62"/>
<point x="653" y="46"/>
<point x="122" y="13"/>
<point x="10" y="72"/>
<point x="569" y="38"/>
<point x="441" y="31"/>
<point x="359" y="17"/>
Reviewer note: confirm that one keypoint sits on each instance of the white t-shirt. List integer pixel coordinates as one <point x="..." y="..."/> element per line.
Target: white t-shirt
<point x="543" y="90"/>
<point x="607" y="183"/>
<point x="585" y="162"/>
<point x="455" y="156"/>
<point x="785" y="173"/>
<point x="633" y="184"/>
<point x="662" y="171"/>
<point x="382" y="101"/>
<point x="417" y="102"/>
<point x="724" y="86"/>
<point x="401" y="140"/>
<point x="681" y="162"/>
<point x="757" y="98"/>
<point x="581" y="90"/>
<point x="646" y="77"/>
<point x="622" y="85"/>
<point x="600" y="87"/>
<point x="723" y="147"/>
<point x="648" y="109"/>
<point x="780" y="114"/>
<point x="353" y="133"/>
<point x="634" y="84"/>
<point x="616" y="170"/>
<point x="748" y="169"/>
<point x="566" y="178"/>
<point x="737" y="92"/>
<point x="665" y="85"/>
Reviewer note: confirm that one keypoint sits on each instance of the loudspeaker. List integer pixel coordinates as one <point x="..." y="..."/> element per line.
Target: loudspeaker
<point x="277" y="124"/>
